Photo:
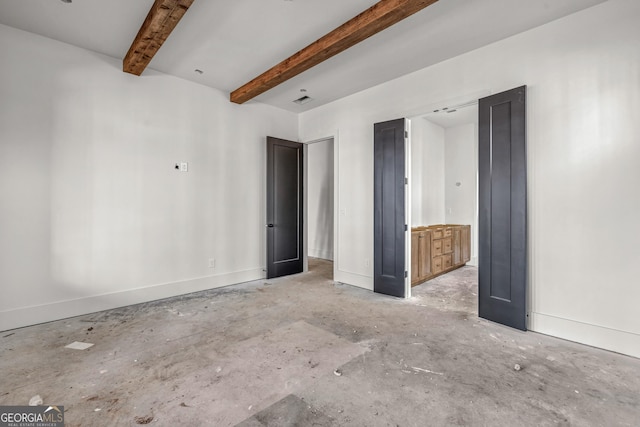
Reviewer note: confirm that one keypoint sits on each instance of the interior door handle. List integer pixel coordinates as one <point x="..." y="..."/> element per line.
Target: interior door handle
<point x="270" y="225"/>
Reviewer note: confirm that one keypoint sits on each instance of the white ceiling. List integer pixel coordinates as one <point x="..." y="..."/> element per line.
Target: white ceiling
<point x="233" y="41"/>
<point x="452" y="117"/>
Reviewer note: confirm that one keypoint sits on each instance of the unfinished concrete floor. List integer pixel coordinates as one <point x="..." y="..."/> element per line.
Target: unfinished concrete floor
<point x="303" y="351"/>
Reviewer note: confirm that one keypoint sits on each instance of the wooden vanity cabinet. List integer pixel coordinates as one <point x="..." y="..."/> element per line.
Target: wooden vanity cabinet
<point x="421" y="260"/>
<point x="438" y="249"/>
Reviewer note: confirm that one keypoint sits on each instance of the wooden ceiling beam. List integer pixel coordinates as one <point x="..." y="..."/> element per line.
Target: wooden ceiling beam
<point x="162" y="18"/>
<point x="381" y="15"/>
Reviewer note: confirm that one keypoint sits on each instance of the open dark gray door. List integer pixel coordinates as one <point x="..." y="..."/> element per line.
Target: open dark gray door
<point x="502" y="252"/>
<point x="284" y="207"/>
<point x="389" y="208"/>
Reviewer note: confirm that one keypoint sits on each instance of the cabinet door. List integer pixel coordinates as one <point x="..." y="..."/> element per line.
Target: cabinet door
<point x="415" y="256"/>
<point x="465" y="240"/>
<point x="425" y="254"/>
<point x="457" y="246"/>
<point x="446" y="262"/>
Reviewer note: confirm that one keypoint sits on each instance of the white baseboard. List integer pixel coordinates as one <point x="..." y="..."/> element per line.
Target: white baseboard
<point x="319" y="253"/>
<point x="354" y="279"/>
<point x="597" y="336"/>
<point x="27" y="316"/>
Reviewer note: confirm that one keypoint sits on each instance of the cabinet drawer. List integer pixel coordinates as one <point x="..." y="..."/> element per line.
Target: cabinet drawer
<point x="436" y="264"/>
<point x="438" y="233"/>
<point x="436" y="248"/>
<point x="447" y="232"/>
<point x="446" y="261"/>
<point x="447" y="245"/>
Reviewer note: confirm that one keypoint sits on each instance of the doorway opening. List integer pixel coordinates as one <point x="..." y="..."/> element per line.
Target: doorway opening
<point x="320" y="207"/>
<point x="444" y="200"/>
<point x="499" y="207"/>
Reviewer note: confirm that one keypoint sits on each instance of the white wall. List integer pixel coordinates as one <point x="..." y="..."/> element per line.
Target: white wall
<point x="427" y="173"/>
<point x="461" y="176"/>
<point x="320" y="199"/>
<point x="93" y="214"/>
<point x="583" y="151"/>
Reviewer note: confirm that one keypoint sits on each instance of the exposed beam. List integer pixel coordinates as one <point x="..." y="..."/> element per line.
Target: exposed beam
<point x="160" y="21"/>
<point x="381" y="15"/>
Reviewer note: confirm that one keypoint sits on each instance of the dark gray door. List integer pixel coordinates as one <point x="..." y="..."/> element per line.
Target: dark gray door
<point x="389" y="208"/>
<point x="284" y="207"/>
<point x="502" y="252"/>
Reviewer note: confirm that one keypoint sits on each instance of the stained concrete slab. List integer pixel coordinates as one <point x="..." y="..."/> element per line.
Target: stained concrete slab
<point x="290" y="411"/>
<point x="264" y="353"/>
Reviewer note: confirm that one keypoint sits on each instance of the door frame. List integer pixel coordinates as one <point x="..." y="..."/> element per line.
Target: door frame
<point x="336" y="193"/>
<point x="459" y="100"/>
<point x="407" y="207"/>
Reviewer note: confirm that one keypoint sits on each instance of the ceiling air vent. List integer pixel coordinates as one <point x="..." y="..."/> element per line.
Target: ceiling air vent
<point x="303" y="100"/>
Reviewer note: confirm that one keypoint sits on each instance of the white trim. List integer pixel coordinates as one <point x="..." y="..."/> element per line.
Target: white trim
<point x="305" y="207"/>
<point x="27" y="316"/>
<point x="407" y="207"/>
<point x="336" y="201"/>
<point x="336" y="193"/>
<point x="585" y="333"/>
<point x="353" y="279"/>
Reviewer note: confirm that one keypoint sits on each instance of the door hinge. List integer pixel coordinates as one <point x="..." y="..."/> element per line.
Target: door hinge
<point x="406" y="181"/>
<point x="406" y="227"/>
<point x="406" y="134"/>
<point x="406" y="274"/>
